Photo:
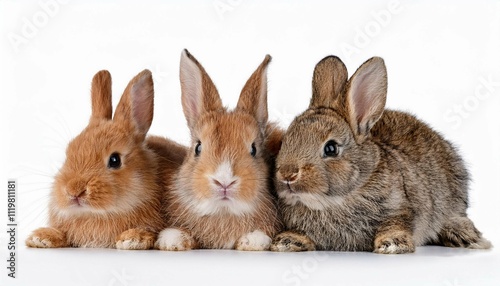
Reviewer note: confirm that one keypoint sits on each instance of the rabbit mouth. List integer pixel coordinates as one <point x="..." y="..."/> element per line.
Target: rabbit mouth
<point x="76" y="202"/>
<point x="289" y="188"/>
<point x="292" y="189"/>
<point x="224" y="195"/>
<point x="225" y="198"/>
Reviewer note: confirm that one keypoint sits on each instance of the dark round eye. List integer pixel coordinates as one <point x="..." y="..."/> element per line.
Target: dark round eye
<point x="253" y="152"/>
<point x="114" y="161"/>
<point x="331" y="149"/>
<point x="197" y="149"/>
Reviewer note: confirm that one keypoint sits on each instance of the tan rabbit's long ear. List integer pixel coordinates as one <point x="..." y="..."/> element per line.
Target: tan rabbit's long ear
<point x="135" y="109"/>
<point x="329" y="80"/>
<point x="101" y="96"/>
<point x="253" y="97"/>
<point x="199" y="94"/>
<point x="366" y="96"/>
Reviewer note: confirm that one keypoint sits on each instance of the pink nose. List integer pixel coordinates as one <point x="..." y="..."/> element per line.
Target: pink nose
<point x="224" y="186"/>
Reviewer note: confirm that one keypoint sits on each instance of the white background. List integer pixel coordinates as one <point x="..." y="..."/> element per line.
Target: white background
<point x="440" y="57"/>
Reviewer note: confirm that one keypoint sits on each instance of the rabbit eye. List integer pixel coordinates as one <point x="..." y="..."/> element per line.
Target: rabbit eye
<point x="197" y="149"/>
<point x="114" y="161"/>
<point x="331" y="149"/>
<point x="253" y="152"/>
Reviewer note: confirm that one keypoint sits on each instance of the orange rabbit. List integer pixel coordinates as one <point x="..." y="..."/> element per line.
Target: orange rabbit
<point x="108" y="192"/>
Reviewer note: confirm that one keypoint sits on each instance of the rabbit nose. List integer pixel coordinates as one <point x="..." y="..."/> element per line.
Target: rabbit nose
<point x="75" y="194"/>
<point x="289" y="174"/>
<point x="76" y="188"/>
<point x="224" y="186"/>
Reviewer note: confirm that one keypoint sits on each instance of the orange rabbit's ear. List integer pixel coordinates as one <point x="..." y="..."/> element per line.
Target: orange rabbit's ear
<point x="366" y="96"/>
<point x="101" y="96"/>
<point x="253" y="97"/>
<point x="329" y="80"/>
<point x="135" y="109"/>
<point x="199" y="94"/>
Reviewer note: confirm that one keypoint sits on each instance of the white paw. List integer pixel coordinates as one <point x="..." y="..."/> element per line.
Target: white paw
<point x="389" y="249"/>
<point x="129" y="244"/>
<point x="174" y="239"/>
<point x="394" y="248"/>
<point x="36" y="241"/>
<point x="254" y="241"/>
<point x="482" y="243"/>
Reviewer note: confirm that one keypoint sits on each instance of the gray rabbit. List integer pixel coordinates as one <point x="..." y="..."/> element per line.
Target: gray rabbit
<point x="352" y="176"/>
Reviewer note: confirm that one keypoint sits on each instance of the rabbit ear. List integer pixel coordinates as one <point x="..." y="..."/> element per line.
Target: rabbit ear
<point x="329" y="80"/>
<point x="199" y="94"/>
<point x="253" y="97"/>
<point x="135" y="109"/>
<point x="101" y="96"/>
<point x="366" y="95"/>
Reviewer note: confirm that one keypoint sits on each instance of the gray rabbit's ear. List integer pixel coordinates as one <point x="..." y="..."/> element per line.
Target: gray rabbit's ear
<point x="101" y="96"/>
<point x="366" y="96"/>
<point x="329" y="80"/>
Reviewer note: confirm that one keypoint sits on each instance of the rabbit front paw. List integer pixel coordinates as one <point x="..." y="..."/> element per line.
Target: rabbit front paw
<point x="46" y="237"/>
<point x="292" y="242"/>
<point x="173" y="239"/>
<point x="254" y="241"/>
<point x="394" y="242"/>
<point x="135" y="239"/>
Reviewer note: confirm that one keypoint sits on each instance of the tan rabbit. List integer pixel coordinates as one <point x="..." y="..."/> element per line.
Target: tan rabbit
<point x="352" y="176"/>
<point x="221" y="197"/>
<point x="108" y="193"/>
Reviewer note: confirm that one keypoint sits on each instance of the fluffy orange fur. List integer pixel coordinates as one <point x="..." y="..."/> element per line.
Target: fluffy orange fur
<point x="94" y="205"/>
<point x="224" y="228"/>
<point x="192" y="205"/>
